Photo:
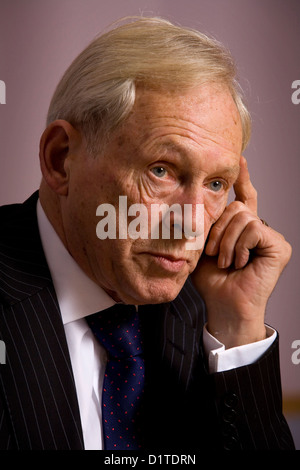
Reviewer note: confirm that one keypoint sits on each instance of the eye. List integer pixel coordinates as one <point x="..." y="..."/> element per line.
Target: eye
<point x="216" y="186"/>
<point x="159" y="171"/>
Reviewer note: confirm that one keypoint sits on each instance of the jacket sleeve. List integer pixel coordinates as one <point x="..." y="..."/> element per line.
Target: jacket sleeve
<point x="247" y="402"/>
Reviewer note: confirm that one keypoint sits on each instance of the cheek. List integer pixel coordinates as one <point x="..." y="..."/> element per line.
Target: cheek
<point x="213" y="209"/>
<point x="111" y="259"/>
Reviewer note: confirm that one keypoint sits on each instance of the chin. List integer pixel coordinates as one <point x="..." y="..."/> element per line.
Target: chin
<point x="152" y="292"/>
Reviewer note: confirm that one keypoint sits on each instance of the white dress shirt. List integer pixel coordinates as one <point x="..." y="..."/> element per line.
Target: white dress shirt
<point x="78" y="296"/>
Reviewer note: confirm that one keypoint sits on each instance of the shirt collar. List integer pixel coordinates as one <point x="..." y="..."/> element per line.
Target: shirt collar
<point x="78" y="296"/>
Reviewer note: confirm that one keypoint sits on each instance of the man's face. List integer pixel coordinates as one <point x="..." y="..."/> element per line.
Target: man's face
<point x="172" y="149"/>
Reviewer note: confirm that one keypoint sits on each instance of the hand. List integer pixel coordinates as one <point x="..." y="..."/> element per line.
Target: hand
<point x="241" y="265"/>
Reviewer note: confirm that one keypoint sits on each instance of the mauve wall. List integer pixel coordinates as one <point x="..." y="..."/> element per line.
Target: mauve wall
<point x="39" y="38"/>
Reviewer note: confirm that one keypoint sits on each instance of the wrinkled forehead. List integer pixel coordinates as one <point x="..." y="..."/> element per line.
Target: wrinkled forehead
<point x="206" y="111"/>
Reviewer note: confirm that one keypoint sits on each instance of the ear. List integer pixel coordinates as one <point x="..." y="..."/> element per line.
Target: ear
<point x="55" y="152"/>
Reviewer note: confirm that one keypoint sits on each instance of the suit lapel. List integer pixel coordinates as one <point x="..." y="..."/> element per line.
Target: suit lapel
<point x="37" y="381"/>
<point x="172" y="335"/>
<point x="183" y="323"/>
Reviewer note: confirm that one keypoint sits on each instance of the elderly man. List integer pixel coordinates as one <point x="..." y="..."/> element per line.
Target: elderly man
<point x="150" y="111"/>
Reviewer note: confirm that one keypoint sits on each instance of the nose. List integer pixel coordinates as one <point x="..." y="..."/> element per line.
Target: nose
<point x="186" y="216"/>
<point x="192" y="204"/>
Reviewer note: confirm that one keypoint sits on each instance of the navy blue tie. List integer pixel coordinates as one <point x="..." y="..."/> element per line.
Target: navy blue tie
<point x="118" y="330"/>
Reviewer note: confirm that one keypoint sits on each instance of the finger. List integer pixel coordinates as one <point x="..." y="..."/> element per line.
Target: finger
<point x="243" y="188"/>
<point x="234" y="230"/>
<point x="218" y="229"/>
<point x="250" y="238"/>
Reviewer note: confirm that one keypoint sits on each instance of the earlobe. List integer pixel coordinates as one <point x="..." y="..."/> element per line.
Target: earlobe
<point x="54" y="151"/>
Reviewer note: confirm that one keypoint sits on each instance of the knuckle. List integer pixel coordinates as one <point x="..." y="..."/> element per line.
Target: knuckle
<point x="288" y="250"/>
<point x="217" y="229"/>
<point x="237" y="206"/>
<point x="255" y="224"/>
<point x="244" y="218"/>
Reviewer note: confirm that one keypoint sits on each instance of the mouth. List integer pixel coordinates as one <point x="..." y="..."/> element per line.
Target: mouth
<point x="168" y="262"/>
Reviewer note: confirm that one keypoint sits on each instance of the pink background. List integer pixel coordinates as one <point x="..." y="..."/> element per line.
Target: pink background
<point x="39" y="38"/>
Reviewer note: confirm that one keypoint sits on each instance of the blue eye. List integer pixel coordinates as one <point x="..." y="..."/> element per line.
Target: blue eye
<point x="216" y="186"/>
<point x="159" y="171"/>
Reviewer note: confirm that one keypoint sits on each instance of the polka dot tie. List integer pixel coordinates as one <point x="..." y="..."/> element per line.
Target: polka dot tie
<point x="118" y="330"/>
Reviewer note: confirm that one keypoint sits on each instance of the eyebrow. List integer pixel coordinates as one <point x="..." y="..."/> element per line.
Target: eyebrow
<point x="232" y="172"/>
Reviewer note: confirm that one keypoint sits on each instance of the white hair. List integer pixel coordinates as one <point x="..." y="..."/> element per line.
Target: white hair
<point x="97" y="92"/>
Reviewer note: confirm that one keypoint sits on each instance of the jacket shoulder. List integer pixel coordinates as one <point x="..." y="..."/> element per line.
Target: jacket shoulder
<point x="23" y="267"/>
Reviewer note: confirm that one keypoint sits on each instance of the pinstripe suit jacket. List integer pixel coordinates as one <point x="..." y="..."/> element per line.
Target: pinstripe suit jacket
<point x="186" y="408"/>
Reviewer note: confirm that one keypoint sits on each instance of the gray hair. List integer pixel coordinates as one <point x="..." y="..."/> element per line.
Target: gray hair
<point x="97" y="92"/>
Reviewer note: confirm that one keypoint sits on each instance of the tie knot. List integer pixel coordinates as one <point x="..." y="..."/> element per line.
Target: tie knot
<point x="118" y="330"/>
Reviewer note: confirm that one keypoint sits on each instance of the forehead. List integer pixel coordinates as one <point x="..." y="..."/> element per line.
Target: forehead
<point x="204" y="114"/>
